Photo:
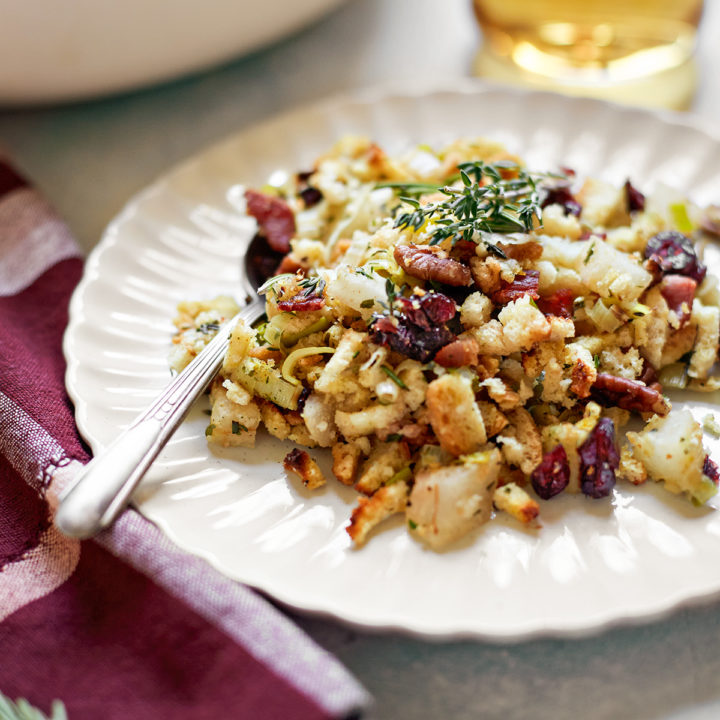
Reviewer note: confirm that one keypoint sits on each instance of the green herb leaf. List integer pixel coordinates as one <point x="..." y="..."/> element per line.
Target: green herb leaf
<point x="209" y="429"/>
<point x="207" y="328"/>
<point x="401" y="475"/>
<point x="393" y="377"/>
<point x="367" y="303"/>
<point x="589" y="254"/>
<point x="237" y="427"/>
<point x="412" y="525"/>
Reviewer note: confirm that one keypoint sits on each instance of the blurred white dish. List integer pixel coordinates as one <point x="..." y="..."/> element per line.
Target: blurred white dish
<point x="593" y="564"/>
<point x="80" y="48"/>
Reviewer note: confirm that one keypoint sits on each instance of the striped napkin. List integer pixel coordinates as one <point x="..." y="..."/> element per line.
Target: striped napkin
<point x="127" y="625"/>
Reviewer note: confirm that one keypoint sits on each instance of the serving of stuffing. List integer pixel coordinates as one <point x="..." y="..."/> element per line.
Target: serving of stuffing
<point x="468" y="336"/>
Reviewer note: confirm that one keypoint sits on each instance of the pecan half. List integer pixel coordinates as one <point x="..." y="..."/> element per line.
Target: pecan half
<point x="424" y="263"/>
<point x="459" y="353"/>
<point x="629" y="394"/>
<point x="679" y="293"/>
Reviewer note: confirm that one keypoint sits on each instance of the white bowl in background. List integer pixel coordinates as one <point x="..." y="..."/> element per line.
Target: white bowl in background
<point x="81" y="48"/>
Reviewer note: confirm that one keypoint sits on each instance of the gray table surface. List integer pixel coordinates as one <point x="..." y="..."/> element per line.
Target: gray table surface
<point x="89" y="158"/>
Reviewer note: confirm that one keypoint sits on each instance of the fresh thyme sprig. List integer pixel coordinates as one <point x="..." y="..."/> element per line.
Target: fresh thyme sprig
<point x="21" y="709"/>
<point x="501" y="205"/>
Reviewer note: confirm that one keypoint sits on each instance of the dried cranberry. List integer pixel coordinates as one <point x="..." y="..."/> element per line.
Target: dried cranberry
<point x="438" y="307"/>
<point x="410" y="340"/>
<point x="526" y="284"/>
<point x="419" y="329"/>
<point x="598" y="460"/>
<point x="274" y="217"/>
<point x="561" y="195"/>
<point x="559" y="304"/>
<point x="634" y="198"/>
<point x="310" y="196"/>
<point x="302" y="399"/>
<point x="675" y="255"/>
<point x="552" y="475"/>
<point x="412" y="310"/>
<point x="711" y="470"/>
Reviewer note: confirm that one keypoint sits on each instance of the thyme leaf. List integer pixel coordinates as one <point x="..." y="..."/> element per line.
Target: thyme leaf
<point x="388" y="371"/>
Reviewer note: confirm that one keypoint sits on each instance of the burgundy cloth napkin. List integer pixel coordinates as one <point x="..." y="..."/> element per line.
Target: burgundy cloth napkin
<point x="127" y="625"/>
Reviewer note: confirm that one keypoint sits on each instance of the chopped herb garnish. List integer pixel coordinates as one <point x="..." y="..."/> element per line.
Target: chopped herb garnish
<point x="312" y="286"/>
<point x="412" y="525"/>
<point x="400" y="476"/>
<point x="237" y="427"/>
<point x="486" y="202"/>
<point x="209" y="429"/>
<point x="367" y="303"/>
<point x="391" y="293"/>
<point x="589" y="254"/>
<point x="363" y="272"/>
<point x="596" y="360"/>
<point x="208" y="327"/>
<point x="393" y="377"/>
<point x="394" y="437"/>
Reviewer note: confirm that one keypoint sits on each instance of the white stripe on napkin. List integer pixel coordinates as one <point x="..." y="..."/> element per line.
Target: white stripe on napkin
<point x="32" y="239"/>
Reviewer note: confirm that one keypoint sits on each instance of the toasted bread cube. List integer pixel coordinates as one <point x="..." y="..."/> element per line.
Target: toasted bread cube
<point x="299" y="462"/>
<point x="512" y="499"/>
<point x="387" y="501"/>
<point x="454" y="414"/>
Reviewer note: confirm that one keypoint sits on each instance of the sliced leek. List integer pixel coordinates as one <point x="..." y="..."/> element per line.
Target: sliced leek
<point x="292" y="359"/>
<point x="259" y="378"/>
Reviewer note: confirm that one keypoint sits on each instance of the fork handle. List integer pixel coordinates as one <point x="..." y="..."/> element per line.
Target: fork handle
<point x="103" y="488"/>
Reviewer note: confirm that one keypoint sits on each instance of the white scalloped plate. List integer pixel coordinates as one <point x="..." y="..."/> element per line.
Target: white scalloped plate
<point x="594" y="563"/>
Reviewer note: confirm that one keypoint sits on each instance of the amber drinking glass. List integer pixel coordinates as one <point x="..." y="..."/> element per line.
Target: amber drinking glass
<point x="634" y="51"/>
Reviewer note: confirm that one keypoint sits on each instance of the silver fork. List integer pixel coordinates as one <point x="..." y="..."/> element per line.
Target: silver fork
<point x="104" y="487"/>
